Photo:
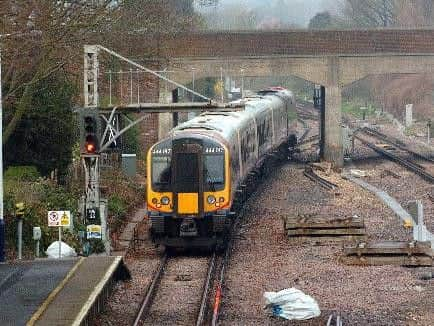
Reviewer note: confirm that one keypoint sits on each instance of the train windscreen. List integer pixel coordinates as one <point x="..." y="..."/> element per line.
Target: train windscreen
<point x="161" y="173"/>
<point x="214" y="172"/>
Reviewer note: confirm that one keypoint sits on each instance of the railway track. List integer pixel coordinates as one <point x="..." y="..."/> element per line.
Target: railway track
<point x="306" y="111"/>
<point x="396" y="152"/>
<point x="306" y="140"/>
<point x="396" y="143"/>
<point x="179" y="291"/>
<point x="158" y="303"/>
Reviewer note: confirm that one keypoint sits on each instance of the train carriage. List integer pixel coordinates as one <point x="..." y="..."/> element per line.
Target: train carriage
<point x="196" y="174"/>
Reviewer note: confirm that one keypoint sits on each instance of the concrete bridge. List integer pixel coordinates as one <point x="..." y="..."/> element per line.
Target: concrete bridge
<point x="333" y="59"/>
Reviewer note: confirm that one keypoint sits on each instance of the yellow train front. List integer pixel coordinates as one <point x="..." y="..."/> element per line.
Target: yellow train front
<point x="189" y="191"/>
<point x="199" y="174"/>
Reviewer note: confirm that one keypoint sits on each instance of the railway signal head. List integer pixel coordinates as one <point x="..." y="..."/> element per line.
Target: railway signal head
<point x="19" y="209"/>
<point x="89" y="131"/>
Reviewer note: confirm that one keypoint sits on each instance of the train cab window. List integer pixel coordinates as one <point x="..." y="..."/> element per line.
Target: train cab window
<point x="161" y="173"/>
<point x="214" y="172"/>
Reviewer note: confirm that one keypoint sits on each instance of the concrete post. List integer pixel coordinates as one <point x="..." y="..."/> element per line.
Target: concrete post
<point x="165" y="120"/>
<point x="105" y="232"/>
<point x="333" y="147"/>
<point x="20" y="238"/>
<point x="408" y="115"/>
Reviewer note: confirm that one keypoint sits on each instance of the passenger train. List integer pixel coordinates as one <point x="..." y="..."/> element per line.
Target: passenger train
<point x="198" y="174"/>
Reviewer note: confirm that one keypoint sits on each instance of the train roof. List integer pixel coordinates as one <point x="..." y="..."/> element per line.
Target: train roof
<point x="227" y="123"/>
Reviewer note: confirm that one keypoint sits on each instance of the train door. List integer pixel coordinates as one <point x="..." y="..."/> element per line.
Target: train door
<point x="187" y="180"/>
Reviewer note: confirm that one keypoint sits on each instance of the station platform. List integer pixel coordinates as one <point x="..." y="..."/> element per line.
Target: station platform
<point x="57" y="292"/>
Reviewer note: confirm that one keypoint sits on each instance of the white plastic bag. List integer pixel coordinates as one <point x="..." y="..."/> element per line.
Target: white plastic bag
<point x="66" y="251"/>
<point x="292" y="304"/>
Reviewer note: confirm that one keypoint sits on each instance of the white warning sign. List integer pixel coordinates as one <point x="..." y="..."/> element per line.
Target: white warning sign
<point x="59" y="218"/>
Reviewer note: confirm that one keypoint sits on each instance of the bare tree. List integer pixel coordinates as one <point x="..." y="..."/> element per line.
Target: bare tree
<point x="44" y="39"/>
<point x="370" y="13"/>
<point x="416" y="13"/>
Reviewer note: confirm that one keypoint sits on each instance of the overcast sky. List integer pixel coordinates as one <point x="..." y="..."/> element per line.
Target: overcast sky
<point x="301" y="10"/>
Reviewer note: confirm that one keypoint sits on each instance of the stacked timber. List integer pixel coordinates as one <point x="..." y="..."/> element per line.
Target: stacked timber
<point x="308" y="228"/>
<point x="399" y="253"/>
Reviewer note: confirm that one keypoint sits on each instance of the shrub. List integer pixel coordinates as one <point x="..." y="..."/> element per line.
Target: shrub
<point x="22" y="173"/>
<point x="38" y="197"/>
<point x="117" y="209"/>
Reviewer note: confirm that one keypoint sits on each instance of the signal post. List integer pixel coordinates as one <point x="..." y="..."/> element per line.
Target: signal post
<point x="94" y="208"/>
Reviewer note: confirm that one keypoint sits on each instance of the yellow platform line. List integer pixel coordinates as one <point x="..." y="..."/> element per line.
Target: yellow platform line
<point x="97" y="290"/>
<point x="53" y="293"/>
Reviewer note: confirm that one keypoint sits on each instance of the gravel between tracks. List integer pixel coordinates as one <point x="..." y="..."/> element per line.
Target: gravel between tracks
<point x="177" y="299"/>
<point x="407" y="187"/>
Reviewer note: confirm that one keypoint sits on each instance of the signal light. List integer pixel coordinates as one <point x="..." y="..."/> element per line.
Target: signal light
<point x="89" y="131"/>
<point x="90" y="147"/>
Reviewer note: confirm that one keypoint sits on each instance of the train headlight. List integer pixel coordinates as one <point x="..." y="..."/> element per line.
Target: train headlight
<point x="154" y="201"/>
<point x="211" y="199"/>
<point x="165" y="200"/>
<point x="221" y="199"/>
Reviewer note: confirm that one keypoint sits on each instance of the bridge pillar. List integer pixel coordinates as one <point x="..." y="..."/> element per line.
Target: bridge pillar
<point x="333" y="147"/>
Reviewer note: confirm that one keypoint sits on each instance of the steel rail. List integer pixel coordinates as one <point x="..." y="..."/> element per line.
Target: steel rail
<point x="395" y="142"/>
<point x="307" y="116"/>
<point x="337" y="318"/>
<point x="207" y="285"/>
<point x="147" y="301"/>
<point x="309" y="173"/>
<point x="308" y="140"/>
<point x="406" y="163"/>
<point x="218" y="294"/>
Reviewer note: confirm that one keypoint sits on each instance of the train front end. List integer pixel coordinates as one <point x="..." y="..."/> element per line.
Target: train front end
<point x="188" y="192"/>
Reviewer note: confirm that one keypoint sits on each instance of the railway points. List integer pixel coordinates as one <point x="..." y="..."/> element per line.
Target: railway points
<point x="310" y="173"/>
<point x="399" y="154"/>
